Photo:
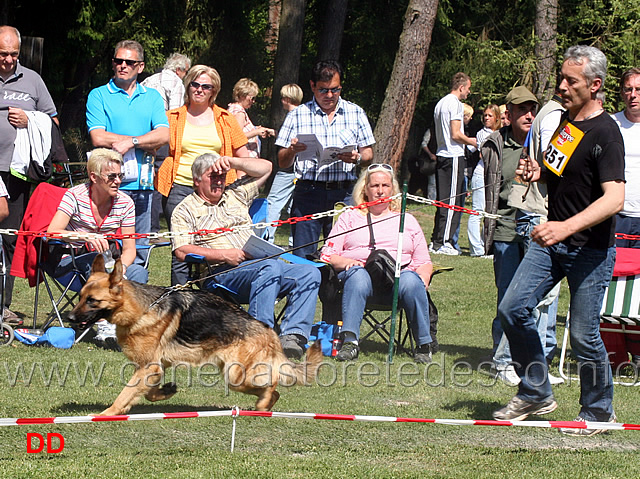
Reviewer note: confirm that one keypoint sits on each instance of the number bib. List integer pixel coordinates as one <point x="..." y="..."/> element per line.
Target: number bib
<point x="563" y="144"/>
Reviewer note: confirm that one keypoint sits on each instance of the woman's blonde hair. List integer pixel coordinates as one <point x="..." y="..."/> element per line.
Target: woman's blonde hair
<point x="245" y="87"/>
<point x="101" y="157"/>
<point x="193" y="73"/>
<point x="359" y="193"/>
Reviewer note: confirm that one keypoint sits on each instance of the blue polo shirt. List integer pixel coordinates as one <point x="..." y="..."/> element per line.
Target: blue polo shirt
<point x="112" y="109"/>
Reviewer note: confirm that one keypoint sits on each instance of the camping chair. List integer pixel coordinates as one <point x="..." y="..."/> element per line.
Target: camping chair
<point x="620" y="312"/>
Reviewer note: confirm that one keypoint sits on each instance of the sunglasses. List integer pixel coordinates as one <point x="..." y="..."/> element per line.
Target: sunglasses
<point x="380" y="166"/>
<point x="335" y="90"/>
<point x="205" y="86"/>
<point x="130" y="63"/>
<point x="111" y="177"/>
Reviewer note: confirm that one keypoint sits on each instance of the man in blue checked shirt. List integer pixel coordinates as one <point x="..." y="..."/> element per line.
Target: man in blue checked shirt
<point x="336" y="123"/>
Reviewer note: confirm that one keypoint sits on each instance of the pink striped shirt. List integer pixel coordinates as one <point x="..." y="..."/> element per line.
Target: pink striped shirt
<point x="76" y="204"/>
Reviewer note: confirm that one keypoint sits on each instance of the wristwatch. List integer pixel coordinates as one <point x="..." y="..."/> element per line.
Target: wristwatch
<point x="135" y="141"/>
<point x="359" y="160"/>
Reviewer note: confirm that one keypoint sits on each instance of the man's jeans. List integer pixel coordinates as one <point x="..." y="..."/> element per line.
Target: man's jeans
<point x="261" y="283"/>
<point x="279" y="197"/>
<point x="142" y="201"/>
<point x="474" y="226"/>
<point x="412" y="297"/>
<point x="179" y="269"/>
<point x="310" y="199"/>
<point x="588" y="272"/>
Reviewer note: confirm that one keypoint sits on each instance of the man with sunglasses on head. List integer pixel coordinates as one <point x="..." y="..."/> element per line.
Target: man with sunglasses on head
<point x="130" y="118"/>
<point x="23" y="93"/>
<point x="336" y="123"/>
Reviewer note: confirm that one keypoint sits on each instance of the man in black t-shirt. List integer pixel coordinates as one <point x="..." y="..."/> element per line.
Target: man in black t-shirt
<point x="584" y="170"/>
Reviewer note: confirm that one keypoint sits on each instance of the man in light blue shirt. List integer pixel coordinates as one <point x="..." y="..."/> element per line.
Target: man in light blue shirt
<point x="130" y="119"/>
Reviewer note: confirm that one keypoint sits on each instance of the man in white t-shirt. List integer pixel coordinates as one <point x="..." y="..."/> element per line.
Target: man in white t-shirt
<point x="628" y="220"/>
<point x="450" y="163"/>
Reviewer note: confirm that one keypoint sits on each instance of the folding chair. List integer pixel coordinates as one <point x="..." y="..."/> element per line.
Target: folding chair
<point x="620" y="312"/>
<point x="381" y="327"/>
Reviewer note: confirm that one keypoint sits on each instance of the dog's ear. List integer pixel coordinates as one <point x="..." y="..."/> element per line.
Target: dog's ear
<point x="98" y="264"/>
<point x="115" y="279"/>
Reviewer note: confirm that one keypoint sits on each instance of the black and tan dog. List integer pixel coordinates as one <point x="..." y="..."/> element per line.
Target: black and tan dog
<point x="187" y="326"/>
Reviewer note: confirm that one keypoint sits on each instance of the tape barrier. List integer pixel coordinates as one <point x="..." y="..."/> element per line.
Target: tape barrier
<point x="236" y="412"/>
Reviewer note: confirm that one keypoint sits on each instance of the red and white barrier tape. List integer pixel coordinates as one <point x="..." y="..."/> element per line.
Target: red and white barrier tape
<point x="332" y="417"/>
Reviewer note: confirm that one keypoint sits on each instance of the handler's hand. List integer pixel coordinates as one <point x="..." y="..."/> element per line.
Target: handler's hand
<point x="234" y="256"/>
<point x="550" y="233"/>
<point x="297" y="147"/>
<point x="528" y="169"/>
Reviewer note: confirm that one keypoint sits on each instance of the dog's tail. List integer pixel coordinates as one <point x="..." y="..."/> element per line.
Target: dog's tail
<point x="292" y="374"/>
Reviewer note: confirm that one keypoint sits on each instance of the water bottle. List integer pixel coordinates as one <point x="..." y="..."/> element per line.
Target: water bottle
<point x="146" y="171"/>
<point x="336" y="344"/>
<point x="109" y="262"/>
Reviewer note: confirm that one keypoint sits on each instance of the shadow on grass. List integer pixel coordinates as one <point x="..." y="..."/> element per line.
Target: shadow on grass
<point x="476" y="409"/>
<point x="95" y="408"/>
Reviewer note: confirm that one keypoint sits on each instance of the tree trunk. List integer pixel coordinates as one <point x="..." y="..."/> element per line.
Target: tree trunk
<point x="331" y="37"/>
<point x="287" y="63"/>
<point x="546" y="28"/>
<point x="392" y="128"/>
<point x="272" y="32"/>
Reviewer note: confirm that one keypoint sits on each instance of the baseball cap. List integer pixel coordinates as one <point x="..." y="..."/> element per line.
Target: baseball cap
<point x="520" y="94"/>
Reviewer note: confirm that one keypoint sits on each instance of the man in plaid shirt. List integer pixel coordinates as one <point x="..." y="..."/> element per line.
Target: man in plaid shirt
<point x="336" y="123"/>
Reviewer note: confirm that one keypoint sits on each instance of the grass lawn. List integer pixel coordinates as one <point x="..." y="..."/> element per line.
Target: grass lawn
<point x="32" y="384"/>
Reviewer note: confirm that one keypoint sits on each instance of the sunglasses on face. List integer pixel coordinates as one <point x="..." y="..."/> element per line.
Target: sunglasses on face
<point x="335" y="90"/>
<point x="111" y="177"/>
<point x="130" y="63"/>
<point x="205" y="86"/>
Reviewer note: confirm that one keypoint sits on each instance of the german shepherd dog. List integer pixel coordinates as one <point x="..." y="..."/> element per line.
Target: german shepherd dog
<point x="187" y="326"/>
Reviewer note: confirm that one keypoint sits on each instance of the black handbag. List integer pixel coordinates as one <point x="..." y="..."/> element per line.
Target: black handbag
<point x="380" y="265"/>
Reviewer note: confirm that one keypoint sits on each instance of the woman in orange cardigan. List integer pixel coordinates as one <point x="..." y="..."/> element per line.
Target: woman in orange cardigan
<point x="198" y="127"/>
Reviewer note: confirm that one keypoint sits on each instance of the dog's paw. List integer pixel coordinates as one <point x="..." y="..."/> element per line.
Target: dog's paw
<point x="162" y="393"/>
<point x="169" y="389"/>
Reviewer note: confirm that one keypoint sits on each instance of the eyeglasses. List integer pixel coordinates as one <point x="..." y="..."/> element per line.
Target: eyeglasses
<point x="628" y="90"/>
<point x="111" y="177"/>
<point x="130" y="63"/>
<point x="335" y="90"/>
<point x="380" y="166"/>
<point x="4" y="55"/>
<point x="205" y="86"/>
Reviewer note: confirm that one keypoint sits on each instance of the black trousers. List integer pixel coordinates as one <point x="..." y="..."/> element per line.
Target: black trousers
<point x="449" y="190"/>
<point x="19" y="193"/>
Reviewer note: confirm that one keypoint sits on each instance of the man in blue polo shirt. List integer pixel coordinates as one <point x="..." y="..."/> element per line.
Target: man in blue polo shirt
<point x="130" y="118"/>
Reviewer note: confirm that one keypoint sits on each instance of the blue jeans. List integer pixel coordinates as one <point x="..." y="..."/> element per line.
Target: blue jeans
<point x="279" y="198"/>
<point x="474" y="226"/>
<point x="261" y="283"/>
<point x="135" y="272"/>
<point x="588" y="272"/>
<point x="142" y="200"/>
<point x="506" y="258"/>
<point x="310" y="199"/>
<point x="412" y="297"/>
<point x="179" y="270"/>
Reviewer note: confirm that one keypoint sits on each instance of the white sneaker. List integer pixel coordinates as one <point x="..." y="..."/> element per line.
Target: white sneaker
<point x="431" y="248"/>
<point x="106" y="336"/>
<point x="448" y="250"/>
<point x="555" y="380"/>
<point x="508" y="376"/>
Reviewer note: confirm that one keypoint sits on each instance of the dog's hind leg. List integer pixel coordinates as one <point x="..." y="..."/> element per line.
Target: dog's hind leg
<point x="267" y="398"/>
<point x="140" y="383"/>
<point x="161" y="393"/>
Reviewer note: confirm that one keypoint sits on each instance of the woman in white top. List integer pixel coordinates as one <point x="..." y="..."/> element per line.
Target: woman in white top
<point x="245" y="92"/>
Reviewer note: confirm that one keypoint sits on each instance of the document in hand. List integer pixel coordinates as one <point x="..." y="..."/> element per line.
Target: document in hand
<point x="258" y="248"/>
<point x="325" y="156"/>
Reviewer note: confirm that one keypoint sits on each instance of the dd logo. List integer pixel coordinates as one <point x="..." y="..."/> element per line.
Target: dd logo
<point x="50" y="449"/>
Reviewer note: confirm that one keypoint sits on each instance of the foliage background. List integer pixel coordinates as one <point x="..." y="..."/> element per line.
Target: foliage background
<point x="492" y="41"/>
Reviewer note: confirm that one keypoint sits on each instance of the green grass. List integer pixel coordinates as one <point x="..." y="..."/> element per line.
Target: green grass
<point x="296" y="448"/>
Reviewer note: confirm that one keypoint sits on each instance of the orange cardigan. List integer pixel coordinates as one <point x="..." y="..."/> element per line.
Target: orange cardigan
<point x="229" y="132"/>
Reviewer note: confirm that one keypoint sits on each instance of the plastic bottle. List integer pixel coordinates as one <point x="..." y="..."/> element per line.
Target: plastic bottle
<point x="109" y="262"/>
<point x="337" y="341"/>
<point x="146" y="171"/>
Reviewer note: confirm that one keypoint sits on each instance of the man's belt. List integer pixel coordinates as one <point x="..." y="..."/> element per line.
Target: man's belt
<point x="327" y="185"/>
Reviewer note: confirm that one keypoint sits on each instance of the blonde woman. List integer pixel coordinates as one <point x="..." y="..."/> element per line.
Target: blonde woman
<point x="245" y="92"/>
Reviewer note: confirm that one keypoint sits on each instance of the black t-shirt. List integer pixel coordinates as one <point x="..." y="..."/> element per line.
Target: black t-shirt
<point x="598" y="158"/>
